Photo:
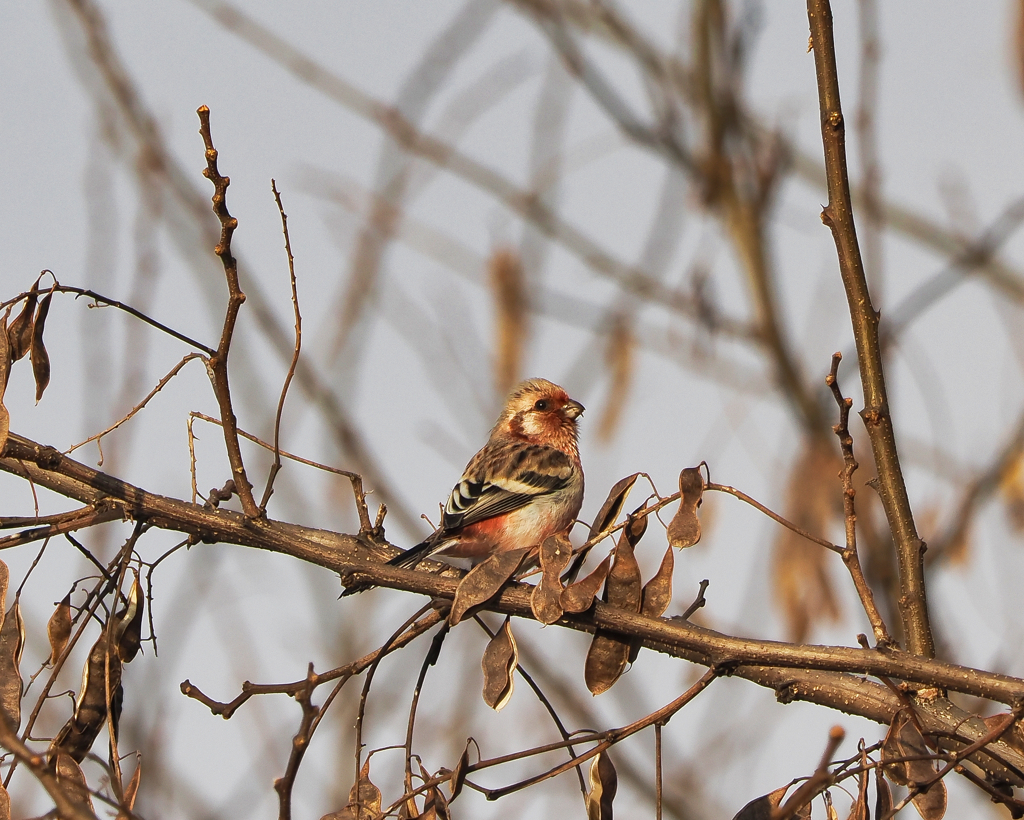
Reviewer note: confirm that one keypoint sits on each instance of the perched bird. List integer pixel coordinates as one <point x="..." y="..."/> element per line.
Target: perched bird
<point x="523" y="486"/>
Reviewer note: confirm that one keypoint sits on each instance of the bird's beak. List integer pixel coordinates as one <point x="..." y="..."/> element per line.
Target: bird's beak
<point x="572" y="409"/>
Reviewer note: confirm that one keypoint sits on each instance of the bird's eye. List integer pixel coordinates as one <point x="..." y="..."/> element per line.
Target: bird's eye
<point x="542" y="404"/>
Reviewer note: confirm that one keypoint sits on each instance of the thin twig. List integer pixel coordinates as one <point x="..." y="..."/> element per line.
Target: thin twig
<point x="160" y="386"/>
<point x="218" y="362"/>
<point x="742" y="496"/>
<point x="138" y="314"/>
<point x="850" y="555"/>
<point x="276" y="467"/>
<point x="365" y="525"/>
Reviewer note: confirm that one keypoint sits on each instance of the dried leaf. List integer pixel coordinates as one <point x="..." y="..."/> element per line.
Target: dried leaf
<point x="606" y="661"/>
<point x="459" y="773"/>
<point x="555" y="554"/>
<point x="72" y="780"/>
<point x="58" y="629"/>
<point x="657" y="593"/>
<point x="883" y="795"/>
<point x="76" y="737"/>
<point x="608" y="653"/>
<point x="801" y="571"/>
<point x="684" y="528"/>
<point x="603" y="785"/>
<point x="131" y="791"/>
<point x="363" y="799"/>
<point x="511" y="315"/>
<point x="622" y="589"/>
<point x="5" y="804"/>
<point x="19" y="333"/>
<point x="612" y="506"/>
<point x="128" y="632"/>
<point x="499" y="665"/>
<point x="903" y="740"/>
<point x="40" y="358"/>
<point x="12" y="642"/>
<point x="435" y="807"/>
<point x="580" y="596"/>
<point x="762" y="807"/>
<point x="484" y="581"/>
<point x="859" y="809"/>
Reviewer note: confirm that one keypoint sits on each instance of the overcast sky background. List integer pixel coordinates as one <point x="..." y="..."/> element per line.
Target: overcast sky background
<point x="419" y="380"/>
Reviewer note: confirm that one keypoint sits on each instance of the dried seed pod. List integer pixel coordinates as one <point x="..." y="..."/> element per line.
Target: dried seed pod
<point x="579" y="597"/>
<point x="484" y="581"/>
<point x="499" y="666"/>
<point x="604" y="782"/>
<point x="684" y="529"/>
<point x="555" y="554"/>
<point x="58" y="629"/>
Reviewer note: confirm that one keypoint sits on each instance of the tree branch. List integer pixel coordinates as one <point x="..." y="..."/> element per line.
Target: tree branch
<point x="838" y="216"/>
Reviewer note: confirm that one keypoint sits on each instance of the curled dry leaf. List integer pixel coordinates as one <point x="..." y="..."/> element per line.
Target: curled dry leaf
<point x="499" y="666"/>
<point x="459" y="773"/>
<point x="555" y="554"/>
<point x="76" y="737"/>
<point x="40" y="358"/>
<point x="657" y="593"/>
<point x="859" y="809"/>
<point x="12" y="642"/>
<point x="883" y="795"/>
<point x="128" y="632"/>
<point x="19" y="332"/>
<point x="484" y="581"/>
<point x="684" y="528"/>
<point x="905" y="740"/>
<point x="579" y="597"/>
<point x="763" y="807"/>
<point x="603" y="784"/>
<point x="72" y="780"/>
<point x="608" y="653"/>
<point x="58" y="629"/>
<point x="363" y="799"/>
<point x="622" y="589"/>
<point x="5" y="804"/>
<point x="612" y="506"/>
<point x="131" y="791"/>
<point x="435" y="807"/>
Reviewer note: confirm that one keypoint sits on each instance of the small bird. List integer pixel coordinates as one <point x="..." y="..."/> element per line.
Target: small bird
<point x="524" y="485"/>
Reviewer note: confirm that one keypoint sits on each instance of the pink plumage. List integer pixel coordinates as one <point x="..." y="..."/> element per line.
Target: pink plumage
<point x="524" y="485"/>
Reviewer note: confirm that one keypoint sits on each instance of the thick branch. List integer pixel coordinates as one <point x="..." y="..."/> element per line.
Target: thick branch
<point x="819" y="674"/>
<point x="838" y="215"/>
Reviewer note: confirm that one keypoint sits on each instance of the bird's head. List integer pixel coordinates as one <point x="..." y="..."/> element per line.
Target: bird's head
<point x="541" y="412"/>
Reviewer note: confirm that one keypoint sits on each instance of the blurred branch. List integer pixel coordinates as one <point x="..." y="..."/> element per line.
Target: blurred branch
<point x="838" y="216"/>
<point x="187" y="217"/>
<point x="604" y="20"/>
<point x="521" y="202"/>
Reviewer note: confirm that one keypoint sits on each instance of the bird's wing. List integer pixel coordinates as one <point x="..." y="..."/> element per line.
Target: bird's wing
<point x="505" y="477"/>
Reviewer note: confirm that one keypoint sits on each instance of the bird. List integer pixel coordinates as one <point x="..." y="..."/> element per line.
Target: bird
<point x="524" y="485"/>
